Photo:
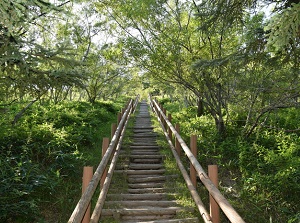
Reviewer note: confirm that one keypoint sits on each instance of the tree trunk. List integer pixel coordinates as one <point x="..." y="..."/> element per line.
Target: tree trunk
<point x="20" y="114"/>
<point x="200" y="109"/>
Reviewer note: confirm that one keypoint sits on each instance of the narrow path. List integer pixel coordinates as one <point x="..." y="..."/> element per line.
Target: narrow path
<point x="138" y="192"/>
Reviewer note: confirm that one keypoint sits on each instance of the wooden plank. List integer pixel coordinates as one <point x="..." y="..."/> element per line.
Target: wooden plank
<point x="149" y="156"/>
<point x="145" y="152"/>
<point x="144" y="147"/>
<point x="146" y="190"/>
<point x="146" y="217"/>
<point x="145" y="160"/>
<point x="145" y="166"/>
<point x="146" y="185"/>
<point x="144" y="135"/>
<point x="186" y="220"/>
<point x="141" y="172"/>
<point x="142" y="203"/>
<point x="143" y="143"/>
<point x="146" y="179"/>
<point x="143" y="211"/>
<point x="149" y="196"/>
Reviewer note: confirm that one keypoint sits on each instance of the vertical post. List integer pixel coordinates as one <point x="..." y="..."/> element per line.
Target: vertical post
<point x="105" y="144"/>
<point x="164" y="121"/>
<point x="177" y="144"/>
<point x="113" y="129"/>
<point x="169" y="129"/>
<point x="87" y="176"/>
<point x="132" y="106"/>
<point x="214" y="207"/>
<point x="193" y="145"/>
<point x="119" y="118"/>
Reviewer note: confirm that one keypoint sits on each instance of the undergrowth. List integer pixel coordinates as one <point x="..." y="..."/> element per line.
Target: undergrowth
<point x="259" y="175"/>
<point x="42" y="157"/>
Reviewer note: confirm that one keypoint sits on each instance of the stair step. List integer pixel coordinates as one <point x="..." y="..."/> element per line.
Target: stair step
<point x="187" y="220"/>
<point x="154" y="156"/>
<point x="147" y="196"/>
<point x="143" y="143"/>
<point x="144" y="147"/>
<point x="141" y="172"/>
<point x="146" y="190"/>
<point x="145" y="166"/>
<point x="145" y="152"/>
<point x="146" y="185"/>
<point x="144" y="135"/>
<point x="146" y="179"/>
<point x="142" y="203"/>
<point x="145" y="160"/>
<point x="143" y="211"/>
<point x="146" y="218"/>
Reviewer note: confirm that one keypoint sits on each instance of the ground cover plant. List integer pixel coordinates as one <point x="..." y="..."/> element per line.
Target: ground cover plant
<point x="260" y="174"/>
<point x="42" y="156"/>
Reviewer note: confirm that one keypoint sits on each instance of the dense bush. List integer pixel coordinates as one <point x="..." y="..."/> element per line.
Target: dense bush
<point x="44" y="151"/>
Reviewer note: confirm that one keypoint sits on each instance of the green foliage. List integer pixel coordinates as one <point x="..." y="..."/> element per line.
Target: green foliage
<point x="265" y="167"/>
<point x="284" y="28"/>
<point x="45" y="151"/>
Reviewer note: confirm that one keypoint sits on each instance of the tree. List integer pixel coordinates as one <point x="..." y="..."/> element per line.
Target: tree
<point x="27" y="67"/>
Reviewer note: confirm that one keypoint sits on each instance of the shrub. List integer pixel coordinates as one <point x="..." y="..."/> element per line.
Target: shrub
<point x="44" y="151"/>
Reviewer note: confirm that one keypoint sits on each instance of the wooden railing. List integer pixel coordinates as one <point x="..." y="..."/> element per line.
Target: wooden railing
<point x="222" y="202"/>
<point x="114" y="147"/>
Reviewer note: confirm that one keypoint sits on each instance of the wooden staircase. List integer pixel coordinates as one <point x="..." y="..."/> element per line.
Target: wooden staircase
<point x="138" y="192"/>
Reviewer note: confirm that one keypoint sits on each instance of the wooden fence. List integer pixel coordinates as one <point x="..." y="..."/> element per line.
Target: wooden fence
<point x="217" y="199"/>
<point x="113" y="148"/>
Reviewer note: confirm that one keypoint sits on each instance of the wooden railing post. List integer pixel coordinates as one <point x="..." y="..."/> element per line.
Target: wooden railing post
<point x="214" y="207"/>
<point x="119" y="118"/>
<point x="193" y="146"/>
<point x="164" y="121"/>
<point x="105" y="144"/>
<point x="169" y="129"/>
<point x="177" y="144"/>
<point x="87" y="176"/>
<point x="113" y="129"/>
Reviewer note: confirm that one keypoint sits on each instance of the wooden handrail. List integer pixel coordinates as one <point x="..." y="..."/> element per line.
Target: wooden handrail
<point x="100" y="202"/>
<point x="204" y="213"/>
<point x="226" y="207"/>
<point x="86" y="197"/>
